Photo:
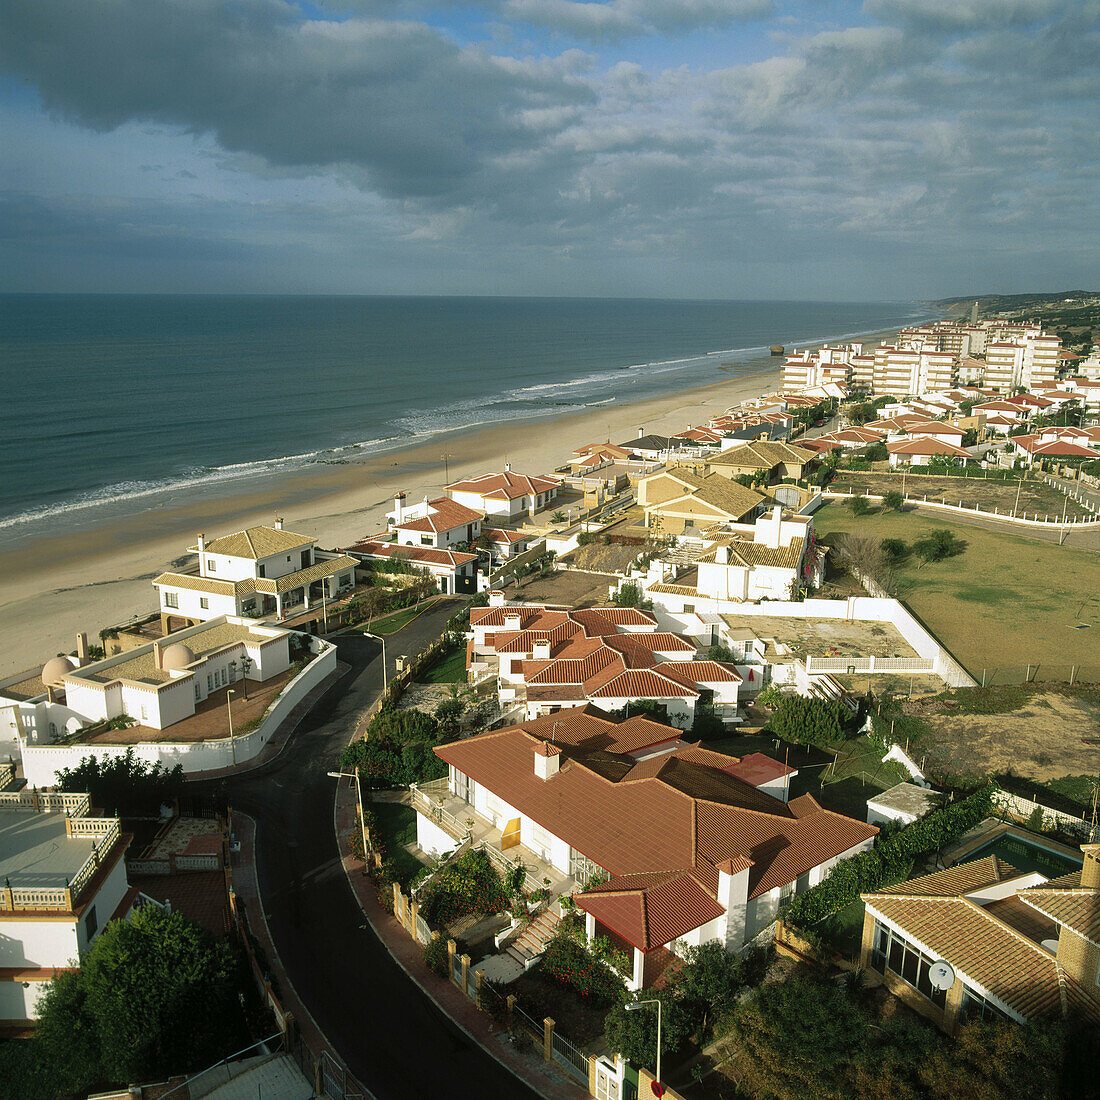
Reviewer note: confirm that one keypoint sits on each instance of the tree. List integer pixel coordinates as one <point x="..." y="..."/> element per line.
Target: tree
<point x="709" y="983"/>
<point x="558" y="517"/>
<point x="630" y="595"/>
<point x="937" y="545"/>
<point x="859" y="505"/>
<point x="634" y="1034"/>
<point x="876" y="452"/>
<point x="123" y="785"/>
<point x="807" y="721"/>
<point x="892" y="501"/>
<point x="894" y="550"/>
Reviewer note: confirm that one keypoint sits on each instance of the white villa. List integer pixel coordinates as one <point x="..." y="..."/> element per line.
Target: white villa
<point x="62" y="879"/>
<point x="440" y="523"/>
<point x="697" y="846"/>
<point x="257" y="573"/>
<point x="505" y="496"/>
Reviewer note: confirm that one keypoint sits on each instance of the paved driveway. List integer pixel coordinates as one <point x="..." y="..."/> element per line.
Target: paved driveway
<point x="392" y="1037"/>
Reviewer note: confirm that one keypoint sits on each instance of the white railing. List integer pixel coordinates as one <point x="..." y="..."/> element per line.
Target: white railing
<point x="106" y="827"/>
<point x="148" y="867"/>
<point x="435" y="811"/>
<point x="39" y="897"/>
<point x="869" y="664"/>
<point x="32" y="801"/>
<point x="1032" y="519"/>
<point x="207" y="862"/>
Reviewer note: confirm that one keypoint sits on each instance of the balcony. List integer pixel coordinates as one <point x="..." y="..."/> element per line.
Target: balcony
<point x="461" y="821"/>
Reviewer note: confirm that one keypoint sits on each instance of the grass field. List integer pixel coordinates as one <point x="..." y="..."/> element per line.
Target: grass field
<point x="1035" y="497"/>
<point x="451" y="670"/>
<point x="397" y="824"/>
<point x="1004" y="603"/>
<point x="390" y="624"/>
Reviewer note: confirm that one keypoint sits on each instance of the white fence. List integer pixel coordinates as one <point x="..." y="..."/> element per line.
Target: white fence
<point x="990" y="513"/>
<point x="869" y="664"/>
<point x="32" y="802"/>
<point x="41" y="763"/>
<point x="1025" y="807"/>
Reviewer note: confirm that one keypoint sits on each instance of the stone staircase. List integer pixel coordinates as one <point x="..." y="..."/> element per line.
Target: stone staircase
<point x="532" y="941"/>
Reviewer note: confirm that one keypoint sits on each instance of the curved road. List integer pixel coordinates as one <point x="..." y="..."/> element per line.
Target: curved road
<point x="392" y="1037"/>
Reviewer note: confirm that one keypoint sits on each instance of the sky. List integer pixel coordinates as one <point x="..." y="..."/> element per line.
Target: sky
<point x="889" y="149"/>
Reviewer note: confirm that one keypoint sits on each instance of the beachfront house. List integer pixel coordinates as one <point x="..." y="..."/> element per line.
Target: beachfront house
<point x="506" y="496"/>
<point x="258" y="573"/>
<point x="694" y="845"/>
<point x="452" y="570"/>
<point x="983" y="940"/>
<point x="441" y="523"/>
<point x="921" y="450"/>
<point x="775" y="461"/>
<point x="682" y="500"/>
<point x="62" y="880"/>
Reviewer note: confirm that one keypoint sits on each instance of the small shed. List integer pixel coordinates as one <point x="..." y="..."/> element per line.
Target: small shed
<point x="905" y="803"/>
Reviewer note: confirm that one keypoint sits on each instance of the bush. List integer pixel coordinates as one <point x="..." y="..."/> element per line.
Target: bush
<point x="469" y="885"/>
<point x="938" y="544"/>
<point x="807" y="721"/>
<point x="630" y="595"/>
<point x="707" y="726"/>
<point x="569" y="962"/>
<point x="123" y="785"/>
<point x="892" y="500"/>
<point x="859" y="505"/>
<point x="436" y="958"/>
<point x="396" y="750"/>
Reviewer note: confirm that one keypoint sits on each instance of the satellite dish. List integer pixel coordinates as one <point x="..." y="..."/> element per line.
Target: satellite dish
<point x="941" y="975"/>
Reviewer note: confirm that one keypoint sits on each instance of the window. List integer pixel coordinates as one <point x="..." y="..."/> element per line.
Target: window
<point x="171" y="599"/>
<point x="209" y="683"/>
<point x="976" y="1007"/>
<point x="288" y="557"/>
<point x="689" y="608"/>
<point x="211" y="565"/>
<point x="204" y="603"/>
<point x="425" y="540"/>
<point x="53" y="730"/>
<point x="198" y="691"/>
<point x="225" y="676"/>
<point x="91" y="922"/>
<point x="889" y="951"/>
<point x="261" y="570"/>
<point x="144" y="712"/>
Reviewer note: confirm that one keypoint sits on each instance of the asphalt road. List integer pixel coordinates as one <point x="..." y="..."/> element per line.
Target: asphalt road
<point x="392" y="1037"/>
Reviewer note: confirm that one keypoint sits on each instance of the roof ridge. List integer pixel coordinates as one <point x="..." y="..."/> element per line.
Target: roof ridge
<point x="248" y="539"/>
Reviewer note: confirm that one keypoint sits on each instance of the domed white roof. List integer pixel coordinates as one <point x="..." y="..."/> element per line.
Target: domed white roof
<point x="177" y="657"/>
<point x="55" y="670"/>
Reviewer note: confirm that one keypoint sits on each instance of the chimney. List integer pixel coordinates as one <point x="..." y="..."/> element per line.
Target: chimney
<point x="547" y="760"/>
<point x="1090" y="869"/>
<point x="202" y="552"/>
<point x="158" y="655"/>
<point x="540" y="651"/>
<point x="512" y="621"/>
<point x="507" y="467"/>
<point x="398" y="508"/>
<point x="82" y="649"/>
<point x="278" y="523"/>
<point x="641" y="432"/>
<point x="496" y="598"/>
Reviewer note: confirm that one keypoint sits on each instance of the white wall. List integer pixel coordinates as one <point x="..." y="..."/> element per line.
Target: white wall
<point x="189" y="603"/>
<point x="106" y="901"/>
<point x="41" y="763"/>
<point x="38" y="942"/>
<point x="19" y="1002"/>
<point x="431" y="838"/>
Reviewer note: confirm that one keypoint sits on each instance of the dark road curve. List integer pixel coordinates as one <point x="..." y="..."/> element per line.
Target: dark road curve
<point x="390" y="1034"/>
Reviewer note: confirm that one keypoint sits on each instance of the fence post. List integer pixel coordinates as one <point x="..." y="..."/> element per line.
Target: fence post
<point x="547" y="1038"/>
<point x="414" y="908"/>
<point x="478" y="979"/>
<point x="452" y="947"/>
<point x="397" y="902"/>
<point x="466" y="974"/>
<point x="591" y="1075"/>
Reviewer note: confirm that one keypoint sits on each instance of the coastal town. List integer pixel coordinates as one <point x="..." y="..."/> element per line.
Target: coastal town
<point x="755" y="759"/>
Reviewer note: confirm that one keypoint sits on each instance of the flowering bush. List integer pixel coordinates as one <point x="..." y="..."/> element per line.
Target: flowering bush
<point x="469" y="885"/>
<point x="568" y="962"/>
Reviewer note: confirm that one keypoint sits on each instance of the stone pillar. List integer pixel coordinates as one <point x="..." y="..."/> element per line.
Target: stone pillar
<point x="452" y="947"/>
<point x="591" y="1075"/>
<point x="9" y="899"/>
<point x="952" y="1007"/>
<point x="590" y="926"/>
<point x="867" y="942"/>
<point x="638" y="979"/>
<point x="465" y="959"/>
<point x="478" y="979"/>
<point x="547" y="1038"/>
<point x="414" y="908"/>
<point x="397" y="901"/>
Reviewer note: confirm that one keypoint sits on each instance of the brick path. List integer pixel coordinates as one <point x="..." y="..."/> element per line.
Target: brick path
<point x="543" y="1077"/>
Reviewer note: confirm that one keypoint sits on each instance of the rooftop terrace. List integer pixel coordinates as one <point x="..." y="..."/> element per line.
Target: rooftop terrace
<point x="823" y="637"/>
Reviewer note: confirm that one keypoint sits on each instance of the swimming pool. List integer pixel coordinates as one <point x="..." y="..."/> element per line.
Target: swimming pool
<point x="1026" y="855"/>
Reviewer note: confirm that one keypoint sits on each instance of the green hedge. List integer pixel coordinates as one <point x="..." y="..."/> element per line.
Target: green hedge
<point x="469" y="885"/>
<point x="893" y="853"/>
<point x="568" y="962"/>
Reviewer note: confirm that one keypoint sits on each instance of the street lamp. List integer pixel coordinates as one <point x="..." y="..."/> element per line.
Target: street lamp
<point x="379" y="638"/>
<point x="362" y="814"/>
<point x="324" y="602"/>
<point x="246" y="664"/>
<point x="658" y="1088"/>
<point x="229" y="709"/>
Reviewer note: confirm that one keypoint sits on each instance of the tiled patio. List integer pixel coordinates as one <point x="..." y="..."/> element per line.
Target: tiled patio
<point x="210" y="720"/>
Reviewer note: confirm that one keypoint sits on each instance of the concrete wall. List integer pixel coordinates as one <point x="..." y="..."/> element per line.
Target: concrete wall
<point x="19" y="1002"/>
<point x="432" y="839"/>
<point x="48" y="942"/>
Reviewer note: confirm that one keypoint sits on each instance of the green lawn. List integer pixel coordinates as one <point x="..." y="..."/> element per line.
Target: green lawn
<point x="397" y="825"/>
<point x="1006" y="601"/>
<point x="451" y="670"/>
<point x="390" y="624"/>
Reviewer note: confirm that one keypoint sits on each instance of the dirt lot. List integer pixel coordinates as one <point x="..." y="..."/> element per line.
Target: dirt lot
<point x="604" y="559"/>
<point x="1036" y="497"/>
<point x="562" y="587"/>
<point x="1004" y="603"/>
<point x="1042" y="738"/>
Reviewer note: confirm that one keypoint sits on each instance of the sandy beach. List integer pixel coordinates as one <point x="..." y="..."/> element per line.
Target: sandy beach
<point x="52" y="588"/>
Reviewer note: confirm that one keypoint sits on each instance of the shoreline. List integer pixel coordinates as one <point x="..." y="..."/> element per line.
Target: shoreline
<point x="46" y="596"/>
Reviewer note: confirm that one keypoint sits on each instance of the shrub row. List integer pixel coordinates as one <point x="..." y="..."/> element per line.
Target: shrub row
<point x="892" y="855"/>
<point x="568" y="962"/>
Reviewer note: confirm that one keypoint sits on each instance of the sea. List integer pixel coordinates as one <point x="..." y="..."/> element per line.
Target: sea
<point x="132" y="400"/>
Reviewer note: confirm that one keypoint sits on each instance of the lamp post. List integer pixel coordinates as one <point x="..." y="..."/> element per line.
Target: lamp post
<point x="229" y="710"/>
<point x="634" y="1006"/>
<point x="379" y="638"/>
<point x="324" y="602"/>
<point x="367" y="850"/>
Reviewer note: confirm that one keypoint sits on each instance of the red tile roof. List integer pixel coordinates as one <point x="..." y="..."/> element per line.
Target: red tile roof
<point x="443" y="515"/>
<point x="675" y="815"/>
<point x="426" y="555"/>
<point x="505" y="486"/>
